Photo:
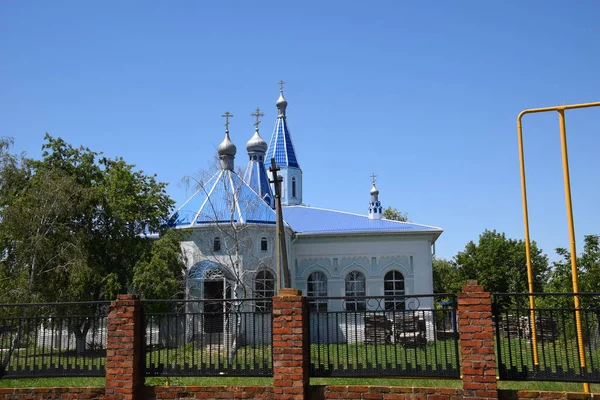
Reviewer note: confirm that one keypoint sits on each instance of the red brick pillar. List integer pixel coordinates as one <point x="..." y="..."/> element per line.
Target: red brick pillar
<point x="124" y="352"/>
<point x="290" y="345"/>
<point x="476" y="329"/>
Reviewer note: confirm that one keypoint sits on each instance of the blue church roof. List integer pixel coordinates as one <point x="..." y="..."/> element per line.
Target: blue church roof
<point x="311" y="220"/>
<point x="256" y="177"/>
<point x="224" y="198"/>
<point x="281" y="146"/>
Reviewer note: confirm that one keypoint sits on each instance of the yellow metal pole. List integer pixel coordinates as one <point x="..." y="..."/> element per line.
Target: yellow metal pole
<point x="527" y="242"/>
<point x="567" y="179"/>
<point x="565" y="160"/>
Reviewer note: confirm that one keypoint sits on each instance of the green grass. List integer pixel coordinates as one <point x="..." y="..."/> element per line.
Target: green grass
<point x="51" y="382"/>
<point x="442" y="354"/>
<point x="518" y="353"/>
<point x="242" y="381"/>
<point x="341" y="356"/>
<point x="189" y="354"/>
<point x="36" y="358"/>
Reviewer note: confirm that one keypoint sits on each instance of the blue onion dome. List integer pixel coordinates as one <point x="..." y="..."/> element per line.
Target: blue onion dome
<point x="374" y="190"/>
<point x="256" y="144"/>
<point x="226" y="148"/>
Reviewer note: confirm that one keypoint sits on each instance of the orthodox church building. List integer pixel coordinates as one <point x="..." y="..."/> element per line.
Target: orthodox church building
<point x="230" y="233"/>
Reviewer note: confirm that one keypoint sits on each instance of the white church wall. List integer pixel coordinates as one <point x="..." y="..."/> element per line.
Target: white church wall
<point x="372" y="255"/>
<point x="199" y="244"/>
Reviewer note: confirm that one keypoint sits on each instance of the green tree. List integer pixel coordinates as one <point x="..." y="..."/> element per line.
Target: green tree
<point x="393" y="214"/>
<point x="72" y="225"/>
<point x="499" y="263"/>
<point x="588" y="271"/>
<point x="446" y="277"/>
<point x="160" y="275"/>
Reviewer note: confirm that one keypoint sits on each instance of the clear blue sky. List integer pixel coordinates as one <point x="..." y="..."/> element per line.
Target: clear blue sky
<point x="424" y="93"/>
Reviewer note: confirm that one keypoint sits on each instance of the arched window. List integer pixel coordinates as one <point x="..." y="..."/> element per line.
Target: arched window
<point x="355" y="287"/>
<point x="264" y="246"/>
<point x="393" y="285"/>
<point x="264" y="288"/>
<point x="317" y="287"/>
<point x="217" y="244"/>
<point x="293" y="186"/>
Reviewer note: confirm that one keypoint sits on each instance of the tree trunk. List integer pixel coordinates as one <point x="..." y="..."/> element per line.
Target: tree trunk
<point x="80" y="342"/>
<point x="80" y="332"/>
<point x="13" y="345"/>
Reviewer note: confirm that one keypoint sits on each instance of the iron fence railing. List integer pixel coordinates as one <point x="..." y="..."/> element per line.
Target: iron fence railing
<point x="558" y="350"/>
<point x="209" y="337"/>
<point x="384" y="336"/>
<point x="53" y="339"/>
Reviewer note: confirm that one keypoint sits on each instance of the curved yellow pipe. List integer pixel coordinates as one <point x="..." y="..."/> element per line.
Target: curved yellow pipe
<point x="567" y="183"/>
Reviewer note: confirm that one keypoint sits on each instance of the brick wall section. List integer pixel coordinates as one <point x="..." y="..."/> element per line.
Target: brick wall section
<point x="266" y="393"/>
<point x="478" y="362"/>
<point x="290" y="345"/>
<point x="208" y="392"/>
<point x="383" y="393"/>
<point x="124" y="348"/>
<point x="53" y="393"/>
<point x="529" y="394"/>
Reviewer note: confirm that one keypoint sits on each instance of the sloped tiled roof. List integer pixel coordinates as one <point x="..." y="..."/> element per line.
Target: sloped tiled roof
<point x="281" y="146"/>
<point x="311" y="220"/>
<point x="256" y="177"/>
<point x="224" y="198"/>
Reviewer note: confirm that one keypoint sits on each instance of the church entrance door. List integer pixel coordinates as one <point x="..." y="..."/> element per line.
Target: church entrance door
<point x="216" y="308"/>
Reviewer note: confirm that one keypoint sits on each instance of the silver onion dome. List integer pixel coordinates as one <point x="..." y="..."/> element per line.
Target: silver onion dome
<point x="227" y="148"/>
<point x="256" y="144"/>
<point x="281" y="102"/>
<point x="374" y="191"/>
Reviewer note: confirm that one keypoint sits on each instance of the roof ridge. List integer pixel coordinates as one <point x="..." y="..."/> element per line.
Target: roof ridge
<point x="365" y="216"/>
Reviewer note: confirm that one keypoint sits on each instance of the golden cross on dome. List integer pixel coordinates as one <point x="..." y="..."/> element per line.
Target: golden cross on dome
<point x="257" y="114"/>
<point x="227" y="115"/>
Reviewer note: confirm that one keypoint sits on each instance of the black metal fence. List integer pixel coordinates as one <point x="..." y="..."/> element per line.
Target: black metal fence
<point x="53" y="339"/>
<point x="384" y="336"/>
<point x="554" y="355"/>
<point x="209" y="337"/>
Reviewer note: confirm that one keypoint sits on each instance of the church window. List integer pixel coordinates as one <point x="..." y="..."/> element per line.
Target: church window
<point x="217" y="244"/>
<point x="356" y="287"/>
<point x="393" y="285"/>
<point x="293" y="186"/>
<point x="264" y="246"/>
<point x="264" y="288"/>
<point x="317" y="287"/>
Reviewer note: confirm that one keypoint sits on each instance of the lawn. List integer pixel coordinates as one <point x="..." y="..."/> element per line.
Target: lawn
<point x="25" y="361"/>
<point x="234" y="381"/>
<point x="188" y="359"/>
<point x="439" y="358"/>
<point x="557" y="359"/>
